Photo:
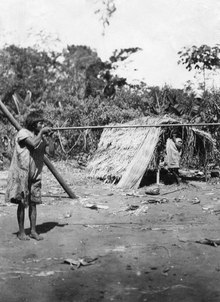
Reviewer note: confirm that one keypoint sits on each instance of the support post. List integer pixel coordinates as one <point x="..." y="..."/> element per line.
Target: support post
<point x="47" y="162"/>
<point x="158" y="176"/>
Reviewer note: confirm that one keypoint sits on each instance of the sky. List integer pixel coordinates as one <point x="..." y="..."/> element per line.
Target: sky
<point x="160" y="28"/>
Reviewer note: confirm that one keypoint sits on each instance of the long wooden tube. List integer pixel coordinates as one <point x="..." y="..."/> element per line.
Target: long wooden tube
<point x="47" y="162"/>
<point x="135" y="126"/>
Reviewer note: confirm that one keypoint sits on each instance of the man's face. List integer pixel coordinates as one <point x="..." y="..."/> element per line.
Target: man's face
<point x="179" y="144"/>
<point x="39" y="126"/>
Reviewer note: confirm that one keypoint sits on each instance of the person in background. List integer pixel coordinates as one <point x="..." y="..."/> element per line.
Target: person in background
<point x="173" y="156"/>
<point x="7" y="149"/>
<point x="24" y="178"/>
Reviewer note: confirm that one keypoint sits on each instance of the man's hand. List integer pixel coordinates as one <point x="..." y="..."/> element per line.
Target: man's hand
<point x="163" y="165"/>
<point x="46" y="130"/>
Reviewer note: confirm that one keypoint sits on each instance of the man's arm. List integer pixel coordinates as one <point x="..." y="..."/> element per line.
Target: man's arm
<point x="33" y="142"/>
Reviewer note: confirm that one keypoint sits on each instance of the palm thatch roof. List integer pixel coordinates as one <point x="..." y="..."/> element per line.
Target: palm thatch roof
<point x="124" y="154"/>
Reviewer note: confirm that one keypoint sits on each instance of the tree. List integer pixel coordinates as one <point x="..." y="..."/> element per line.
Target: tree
<point x="100" y="77"/>
<point x="23" y="69"/>
<point x="77" y="60"/>
<point x="106" y="71"/>
<point x="201" y="58"/>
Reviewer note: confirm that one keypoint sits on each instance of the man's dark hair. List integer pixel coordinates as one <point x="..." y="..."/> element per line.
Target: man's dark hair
<point x="33" y="118"/>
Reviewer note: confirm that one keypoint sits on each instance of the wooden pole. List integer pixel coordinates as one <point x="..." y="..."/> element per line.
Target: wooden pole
<point x="158" y="176"/>
<point x="46" y="160"/>
<point x="135" y="126"/>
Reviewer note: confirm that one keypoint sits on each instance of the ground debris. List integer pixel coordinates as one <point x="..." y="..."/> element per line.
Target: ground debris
<point x="67" y="215"/>
<point x="142" y="209"/>
<point x="156" y="229"/>
<point x="152" y="191"/>
<point x="95" y="206"/>
<point x="195" y="200"/>
<point x="132" y="208"/>
<point x="165" y="271"/>
<point x="208" y="208"/>
<point x="80" y="262"/>
<point x="212" y="242"/>
<point x="137" y="210"/>
<point x="216" y="211"/>
<point x="155" y="200"/>
<point x="173" y="191"/>
<point x="135" y="194"/>
<point x="177" y="199"/>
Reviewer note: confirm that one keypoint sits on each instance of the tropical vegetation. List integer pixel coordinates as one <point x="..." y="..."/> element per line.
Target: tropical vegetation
<point x="76" y="88"/>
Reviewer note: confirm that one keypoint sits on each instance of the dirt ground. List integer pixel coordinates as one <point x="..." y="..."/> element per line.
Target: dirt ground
<point x="111" y="245"/>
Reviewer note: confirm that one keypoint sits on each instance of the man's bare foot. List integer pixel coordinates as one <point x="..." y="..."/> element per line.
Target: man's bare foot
<point x="23" y="236"/>
<point x="35" y="236"/>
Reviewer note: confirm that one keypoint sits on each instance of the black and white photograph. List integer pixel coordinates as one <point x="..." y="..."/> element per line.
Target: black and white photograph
<point x="109" y="150"/>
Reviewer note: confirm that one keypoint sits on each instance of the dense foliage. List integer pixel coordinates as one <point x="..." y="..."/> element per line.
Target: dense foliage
<point x="76" y="88"/>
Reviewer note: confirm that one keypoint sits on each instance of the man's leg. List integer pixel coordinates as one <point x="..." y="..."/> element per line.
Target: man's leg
<point x="20" y="218"/>
<point x="33" y="219"/>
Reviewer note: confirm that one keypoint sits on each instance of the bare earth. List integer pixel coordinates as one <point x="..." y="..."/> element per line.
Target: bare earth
<point x="110" y="245"/>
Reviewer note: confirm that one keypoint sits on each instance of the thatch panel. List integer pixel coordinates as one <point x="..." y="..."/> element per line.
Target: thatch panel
<point x="118" y="146"/>
<point x="137" y="167"/>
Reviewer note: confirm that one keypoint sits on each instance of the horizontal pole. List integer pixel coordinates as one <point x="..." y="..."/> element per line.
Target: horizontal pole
<point x="135" y="126"/>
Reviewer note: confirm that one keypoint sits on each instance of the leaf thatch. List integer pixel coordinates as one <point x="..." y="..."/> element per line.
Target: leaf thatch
<point x="126" y="153"/>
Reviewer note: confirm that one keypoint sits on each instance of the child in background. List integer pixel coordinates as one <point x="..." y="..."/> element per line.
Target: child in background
<point x="173" y="156"/>
<point x="24" y="178"/>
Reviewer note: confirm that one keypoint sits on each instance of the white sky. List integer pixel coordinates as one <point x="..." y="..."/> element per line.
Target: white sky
<point x="160" y="27"/>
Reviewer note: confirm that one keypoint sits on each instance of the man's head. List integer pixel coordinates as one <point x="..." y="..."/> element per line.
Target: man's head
<point x="33" y="119"/>
<point x="179" y="142"/>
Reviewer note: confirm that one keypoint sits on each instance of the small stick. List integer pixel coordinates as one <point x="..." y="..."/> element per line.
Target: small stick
<point x="172" y="191"/>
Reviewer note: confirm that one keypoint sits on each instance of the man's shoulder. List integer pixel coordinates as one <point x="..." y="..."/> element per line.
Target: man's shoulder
<point x="23" y="134"/>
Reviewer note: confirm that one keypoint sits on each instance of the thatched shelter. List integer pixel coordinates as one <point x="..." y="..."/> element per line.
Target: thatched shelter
<point x="125" y="154"/>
